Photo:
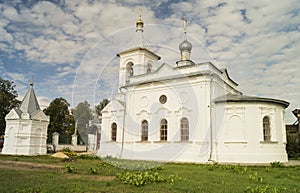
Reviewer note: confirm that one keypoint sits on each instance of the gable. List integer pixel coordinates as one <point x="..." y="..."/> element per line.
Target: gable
<point x="113" y="106"/>
<point x="39" y="115"/>
<point x="13" y="114"/>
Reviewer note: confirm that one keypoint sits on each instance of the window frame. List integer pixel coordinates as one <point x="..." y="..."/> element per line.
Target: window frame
<point x="163" y="130"/>
<point x="114" y="128"/>
<point x="267" y="129"/>
<point x="184" y="129"/>
<point x="144" y="130"/>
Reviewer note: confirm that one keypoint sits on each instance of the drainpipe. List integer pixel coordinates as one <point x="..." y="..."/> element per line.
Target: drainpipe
<point x="123" y="124"/>
<point x="210" y="120"/>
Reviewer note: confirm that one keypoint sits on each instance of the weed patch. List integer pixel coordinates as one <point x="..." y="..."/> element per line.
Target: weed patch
<point x="69" y="169"/>
<point x="276" y="164"/>
<point x="143" y="178"/>
<point x="265" y="189"/>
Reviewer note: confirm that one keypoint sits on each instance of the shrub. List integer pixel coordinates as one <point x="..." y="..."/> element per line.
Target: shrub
<point x="276" y="164"/>
<point x="69" y="169"/>
<point x="143" y="178"/>
<point x="88" y="157"/>
<point x="94" y="171"/>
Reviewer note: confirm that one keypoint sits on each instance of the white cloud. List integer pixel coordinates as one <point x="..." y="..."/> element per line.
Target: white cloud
<point x="20" y="77"/>
<point x="43" y="101"/>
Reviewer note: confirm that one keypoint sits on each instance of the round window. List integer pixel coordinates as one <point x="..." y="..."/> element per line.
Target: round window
<point x="163" y="99"/>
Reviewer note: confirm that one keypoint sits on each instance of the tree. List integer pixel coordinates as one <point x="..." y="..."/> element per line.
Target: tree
<point x="8" y="100"/>
<point x="82" y="114"/>
<point x="61" y="120"/>
<point x="101" y="106"/>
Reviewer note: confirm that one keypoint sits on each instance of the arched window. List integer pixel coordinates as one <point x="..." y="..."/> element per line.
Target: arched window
<point x="144" y="130"/>
<point x="114" y="132"/>
<point x="163" y="130"/>
<point x="184" y="129"/>
<point x="267" y="128"/>
<point x="129" y="69"/>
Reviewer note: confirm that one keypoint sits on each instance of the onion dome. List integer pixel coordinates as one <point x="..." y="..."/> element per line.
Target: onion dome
<point x="139" y="24"/>
<point x="185" y="46"/>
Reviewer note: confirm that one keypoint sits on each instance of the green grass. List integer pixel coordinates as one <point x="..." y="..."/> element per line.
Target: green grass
<point x="96" y="175"/>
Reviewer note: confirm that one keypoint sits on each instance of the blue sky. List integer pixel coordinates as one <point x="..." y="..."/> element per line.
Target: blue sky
<point x="69" y="47"/>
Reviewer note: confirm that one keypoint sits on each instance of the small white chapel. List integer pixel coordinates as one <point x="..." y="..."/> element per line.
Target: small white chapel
<point x="188" y="112"/>
<point x="26" y="128"/>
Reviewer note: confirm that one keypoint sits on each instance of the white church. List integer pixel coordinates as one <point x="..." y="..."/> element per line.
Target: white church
<point x="188" y="112"/>
<point x="26" y="128"/>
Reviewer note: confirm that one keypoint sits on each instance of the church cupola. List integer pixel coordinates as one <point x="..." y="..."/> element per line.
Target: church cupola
<point x="139" y="24"/>
<point x="139" y="36"/>
<point x="138" y="60"/>
<point x="185" y="48"/>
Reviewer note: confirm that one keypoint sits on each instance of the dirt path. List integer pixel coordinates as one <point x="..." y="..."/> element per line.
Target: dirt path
<point x="19" y="165"/>
<point x="27" y="166"/>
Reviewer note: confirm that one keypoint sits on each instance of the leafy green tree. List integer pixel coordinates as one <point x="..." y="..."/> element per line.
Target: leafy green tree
<point x="8" y="100"/>
<point x="101" y="106"/>
<point x="61" y="120"/>
<point x="82" y="114"/>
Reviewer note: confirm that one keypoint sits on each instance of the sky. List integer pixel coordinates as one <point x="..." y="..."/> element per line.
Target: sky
<point x="68" y="47"/>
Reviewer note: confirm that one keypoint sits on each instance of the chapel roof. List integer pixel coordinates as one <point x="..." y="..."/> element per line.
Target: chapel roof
<point x="30" y="103"/>
<point x="245" y="98"/>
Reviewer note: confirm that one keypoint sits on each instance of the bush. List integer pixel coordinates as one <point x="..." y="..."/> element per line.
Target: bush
<point x="88" y="157"/>
<point x="276" y="164"/>
<point x="143" y="178"/>
<point x="69" y="169"/>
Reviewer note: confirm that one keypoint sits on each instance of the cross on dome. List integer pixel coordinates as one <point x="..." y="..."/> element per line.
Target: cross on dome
<point x="185" y="47"/>
<point x="140" y="23"/>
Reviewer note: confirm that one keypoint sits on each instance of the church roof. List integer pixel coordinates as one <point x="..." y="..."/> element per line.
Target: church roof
<point x="139" y="49"/>
<point x="114" y="105"/>
<point x="245" y="98"/>
<point x="30" y="103"/>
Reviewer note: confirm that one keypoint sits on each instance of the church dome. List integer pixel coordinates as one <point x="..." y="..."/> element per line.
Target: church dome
<point x="185" y="46"/>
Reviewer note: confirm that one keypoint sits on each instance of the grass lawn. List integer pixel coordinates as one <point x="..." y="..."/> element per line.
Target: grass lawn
<point x="86" y="174"/>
